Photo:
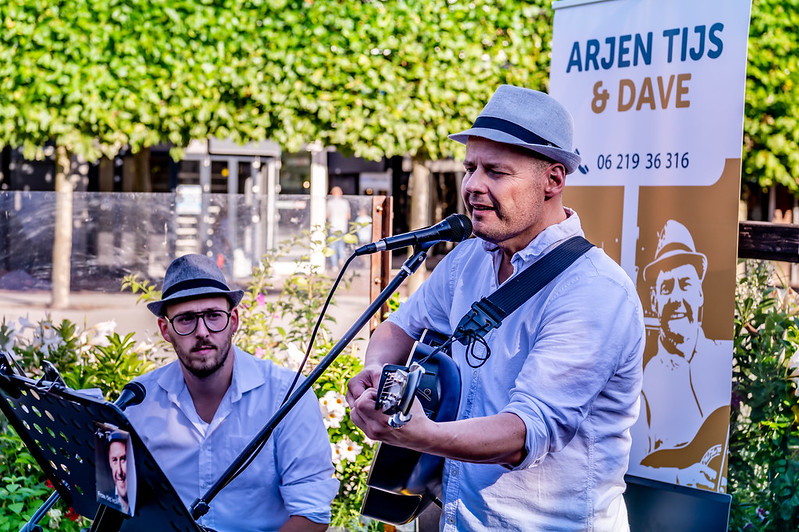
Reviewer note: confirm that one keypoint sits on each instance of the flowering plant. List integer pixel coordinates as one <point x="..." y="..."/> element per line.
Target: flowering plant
<point x="764" y="424"/>
<point x="91" y="357"/>
<point x="279" y="326"/>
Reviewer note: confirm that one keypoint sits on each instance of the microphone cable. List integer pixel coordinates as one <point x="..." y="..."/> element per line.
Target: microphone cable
<point x="298" y="374"/>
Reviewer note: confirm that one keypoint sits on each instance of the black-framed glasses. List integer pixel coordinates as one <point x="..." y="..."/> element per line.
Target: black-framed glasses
<point x="186" y="323"/>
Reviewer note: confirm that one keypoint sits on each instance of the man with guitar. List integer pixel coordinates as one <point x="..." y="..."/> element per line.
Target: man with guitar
<point x="686" y="386"/>
<point x="541" y="439"/>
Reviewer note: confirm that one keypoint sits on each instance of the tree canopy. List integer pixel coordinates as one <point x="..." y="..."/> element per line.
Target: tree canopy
<point x="372" y="78"/>
<point x="771" y="127"/>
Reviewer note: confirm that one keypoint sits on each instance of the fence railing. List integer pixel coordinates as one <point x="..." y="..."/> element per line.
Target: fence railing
<point x="768" y="241"/>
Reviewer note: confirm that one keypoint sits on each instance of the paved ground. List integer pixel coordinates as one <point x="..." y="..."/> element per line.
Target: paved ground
<point x="31" y="300"/>
<point x="90" y="308"/>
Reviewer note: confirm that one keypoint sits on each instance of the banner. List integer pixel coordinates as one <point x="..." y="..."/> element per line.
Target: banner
<point x="657" y="94"/>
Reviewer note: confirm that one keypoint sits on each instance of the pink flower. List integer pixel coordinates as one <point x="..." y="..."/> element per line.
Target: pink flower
<point x="261" y="299"/>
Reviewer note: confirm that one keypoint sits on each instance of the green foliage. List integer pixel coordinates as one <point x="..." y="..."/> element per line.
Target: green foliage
<point x="95" y="357"/>
<point x="278" y="324"/>
<point x="273" y="318"/>
<point x="764" y="434"/>
<point x="373" y="78"/>
<point x="114" y="365"/>
<point x="20" y="482"/>
<point x="771" y="127"/>
<point x="394" y="78"/>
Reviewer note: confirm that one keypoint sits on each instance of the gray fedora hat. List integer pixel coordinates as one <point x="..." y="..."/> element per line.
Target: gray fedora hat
<point x="527" y="118"/>
<point x="193" y="277"/>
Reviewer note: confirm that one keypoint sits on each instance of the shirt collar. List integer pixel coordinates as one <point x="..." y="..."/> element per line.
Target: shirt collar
<point x="546" y="239"/>
<point x="245" y="377"/>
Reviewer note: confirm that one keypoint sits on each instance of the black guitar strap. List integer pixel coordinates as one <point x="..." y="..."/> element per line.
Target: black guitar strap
<point x="489" y="312"/>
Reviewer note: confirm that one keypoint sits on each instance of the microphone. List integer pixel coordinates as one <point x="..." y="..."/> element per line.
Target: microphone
<point x="454" y="228"/>
<point x="132" y="394"/>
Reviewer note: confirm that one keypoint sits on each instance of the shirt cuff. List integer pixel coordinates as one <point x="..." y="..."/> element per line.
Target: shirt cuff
<point x="310" y="499"/>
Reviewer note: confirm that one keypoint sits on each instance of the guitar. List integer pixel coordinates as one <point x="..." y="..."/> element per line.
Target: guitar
<point x="402" y="482"/>
<point x="709" y="446"/>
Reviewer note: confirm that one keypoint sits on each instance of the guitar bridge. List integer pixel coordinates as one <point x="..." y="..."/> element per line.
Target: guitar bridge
<point x="396" y="390"/>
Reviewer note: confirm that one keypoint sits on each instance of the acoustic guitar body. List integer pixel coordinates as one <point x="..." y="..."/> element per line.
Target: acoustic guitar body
<point x="402" y="482"/>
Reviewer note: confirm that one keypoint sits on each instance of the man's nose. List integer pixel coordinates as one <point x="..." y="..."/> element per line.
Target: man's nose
<point x="202" y="329"/>
<point x="677" y="299"/>
<point x="475" y="183"/>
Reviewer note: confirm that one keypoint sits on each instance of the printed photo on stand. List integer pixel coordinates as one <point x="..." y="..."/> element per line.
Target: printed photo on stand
<point x="115" y="469"/>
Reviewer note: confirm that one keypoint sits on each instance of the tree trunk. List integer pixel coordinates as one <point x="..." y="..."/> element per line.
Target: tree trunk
<point x="142" y="177"/>
<point x="142" y="182"/>
<point x="62" y="238"/>
<point x="420" y="213"/>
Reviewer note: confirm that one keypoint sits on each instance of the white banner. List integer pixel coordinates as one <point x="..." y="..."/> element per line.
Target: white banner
<point x="658" y="88"/>
<point x="657" y="93"/>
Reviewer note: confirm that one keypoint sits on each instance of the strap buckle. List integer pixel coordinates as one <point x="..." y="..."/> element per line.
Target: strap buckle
<point x="482" y="317"/>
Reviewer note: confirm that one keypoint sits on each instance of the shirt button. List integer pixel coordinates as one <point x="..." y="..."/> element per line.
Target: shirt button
<point x="474" y="374"/>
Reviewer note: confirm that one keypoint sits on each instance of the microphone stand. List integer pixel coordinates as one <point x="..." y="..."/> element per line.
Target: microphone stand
<point x="32" y="525"/>
<point x="201" y="506"/>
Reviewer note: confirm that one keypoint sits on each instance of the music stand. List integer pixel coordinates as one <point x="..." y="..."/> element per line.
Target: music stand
<point x="58" y="428"/>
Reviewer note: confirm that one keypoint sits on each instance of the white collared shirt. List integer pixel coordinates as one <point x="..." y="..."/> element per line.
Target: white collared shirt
<point x="567" y="362"/>
<point x="292" y="475"/>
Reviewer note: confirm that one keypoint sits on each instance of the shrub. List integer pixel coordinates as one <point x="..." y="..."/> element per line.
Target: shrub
<point x="95" y="357"/>
<point x="764" y="425"/>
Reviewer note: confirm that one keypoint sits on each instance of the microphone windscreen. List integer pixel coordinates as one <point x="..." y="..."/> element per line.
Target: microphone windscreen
<point x="461" y="227"/>
<point x="132" y="394"/>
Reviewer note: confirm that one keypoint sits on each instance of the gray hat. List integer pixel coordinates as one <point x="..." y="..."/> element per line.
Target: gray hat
<point x="526" y="118"/>
<point x="193" y="277"/>
<point x="117" y="435"/>
<point x="675" y="248"/>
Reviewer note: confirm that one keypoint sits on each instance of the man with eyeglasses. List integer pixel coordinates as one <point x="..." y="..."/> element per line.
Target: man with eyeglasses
<point x="203" y="409"/>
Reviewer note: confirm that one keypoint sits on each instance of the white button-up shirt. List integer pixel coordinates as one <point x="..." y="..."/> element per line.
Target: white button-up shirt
<point x="567" y="362"/>
<point x="293" y="473"/>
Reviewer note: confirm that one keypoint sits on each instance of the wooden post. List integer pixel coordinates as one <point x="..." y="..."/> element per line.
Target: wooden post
<point x="380" y="264"/>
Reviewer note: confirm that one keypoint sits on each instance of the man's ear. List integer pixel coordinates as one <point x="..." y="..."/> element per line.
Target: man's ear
<point x="653" y="300"/>
<point x="163" y="326"/>
<point x="234" y="319"/>
<point x="556" y="180"/>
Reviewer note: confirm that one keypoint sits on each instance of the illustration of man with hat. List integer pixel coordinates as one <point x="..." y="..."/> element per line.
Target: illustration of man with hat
<point x="203" y="409"/>
<point x="542" y="436"/>
<point x="686" y="387"/>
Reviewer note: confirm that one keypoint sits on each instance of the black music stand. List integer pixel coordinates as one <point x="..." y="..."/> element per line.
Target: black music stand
<point x="58" y="427"/>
